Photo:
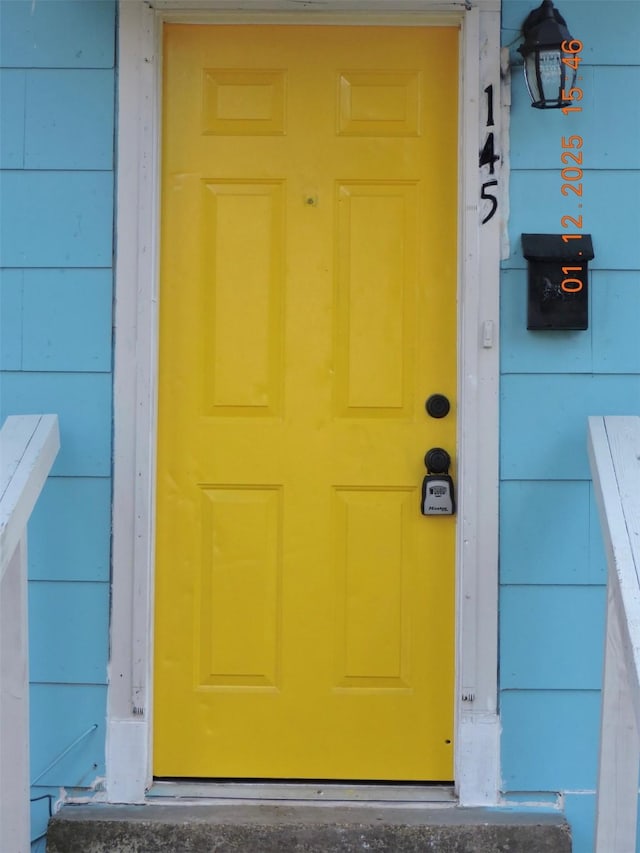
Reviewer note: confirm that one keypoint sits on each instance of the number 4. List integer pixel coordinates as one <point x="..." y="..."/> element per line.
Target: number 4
<point x="488" y="155"/>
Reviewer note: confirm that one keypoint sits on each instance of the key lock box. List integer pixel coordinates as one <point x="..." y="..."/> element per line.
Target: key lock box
<point x="437" y="487"/>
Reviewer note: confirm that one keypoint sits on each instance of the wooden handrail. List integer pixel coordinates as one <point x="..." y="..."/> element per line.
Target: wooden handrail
<point x="614" y="453"/>
<point x="28" y="447"/>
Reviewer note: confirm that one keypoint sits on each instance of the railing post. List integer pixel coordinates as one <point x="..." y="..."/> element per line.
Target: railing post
<point x="14" y="705"/>
<point x="614" y="452"/>
<point x="28" y="448"/>
<point x="617" y="796"/>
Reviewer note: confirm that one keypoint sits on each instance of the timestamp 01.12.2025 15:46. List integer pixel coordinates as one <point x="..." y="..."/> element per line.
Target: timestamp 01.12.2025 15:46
<point x="571" y="172"/>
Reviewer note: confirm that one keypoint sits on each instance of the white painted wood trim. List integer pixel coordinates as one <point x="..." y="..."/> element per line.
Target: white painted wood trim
<point x="14" y="703"/>
<point x="128" y="755"/>
<point x="478" y="732"/>
<point x="352" y="19"/>
<point x="28" y="447"/>
<point x="614" y="452"/>
<point x="619" y="758"/>
<point x="129" y="708"/>
<point x="188" y="7"/>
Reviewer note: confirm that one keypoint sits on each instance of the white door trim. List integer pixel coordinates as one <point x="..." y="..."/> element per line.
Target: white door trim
<point x="129" y="714"/>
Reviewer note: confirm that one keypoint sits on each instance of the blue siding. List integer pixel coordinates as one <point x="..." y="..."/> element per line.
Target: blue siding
<point x="58" y="34"/>
<point x="609" y="32"/>
<point x="544" y="420"/>
<point x="11" y="319"/>
<point x="551" y="637"/>
<point x="70" y="530"/>
<point x="610" y="345"/>
<point x="550" y="533"/>
<point x="12" y="96"/>
<point x="67" y="320"/>
<point x="58" y="219"/>
<point x="616" y="304"/>
<point x="56" y="247"/>
<point x="549" y="740"/>
<point x="69" y="119"/>
<point x="552" y="566"/>
<point x="602" y="149"/>
<point x="41" y="809"/>
<point x="56" y="320"/>
<point x="69" y="632"/>
<point x="60" y="714"/>
<point x="542" y="352"/>
<point x="609" y="202"/>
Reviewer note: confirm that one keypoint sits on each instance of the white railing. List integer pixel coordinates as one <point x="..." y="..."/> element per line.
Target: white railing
<point x="28" y="446"/>
<point x="614" y="452"/>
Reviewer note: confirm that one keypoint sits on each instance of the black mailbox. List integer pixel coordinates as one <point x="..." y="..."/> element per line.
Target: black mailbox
<point x="558" y="280"/>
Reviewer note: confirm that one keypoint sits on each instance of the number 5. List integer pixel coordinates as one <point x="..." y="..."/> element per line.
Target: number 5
<point x="491" y="198"/>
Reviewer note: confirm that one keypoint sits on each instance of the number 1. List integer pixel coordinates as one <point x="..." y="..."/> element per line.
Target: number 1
<point x="489" y="94"/>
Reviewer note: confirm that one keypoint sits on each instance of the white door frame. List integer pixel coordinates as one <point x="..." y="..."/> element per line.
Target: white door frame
<point x="130" y="711"/>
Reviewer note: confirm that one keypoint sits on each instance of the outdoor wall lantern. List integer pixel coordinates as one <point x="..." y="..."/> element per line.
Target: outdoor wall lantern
<point x="546" y="38"/>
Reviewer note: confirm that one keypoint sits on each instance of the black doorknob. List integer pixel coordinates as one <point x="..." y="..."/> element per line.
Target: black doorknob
<point x="437" y="461"/>
<point x="437" y="406"/>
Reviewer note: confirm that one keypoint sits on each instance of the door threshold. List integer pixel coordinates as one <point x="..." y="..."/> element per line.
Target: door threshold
<point x="305" y="792"/>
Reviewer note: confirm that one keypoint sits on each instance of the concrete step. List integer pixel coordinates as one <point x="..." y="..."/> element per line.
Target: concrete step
<point x="304" y="828"/>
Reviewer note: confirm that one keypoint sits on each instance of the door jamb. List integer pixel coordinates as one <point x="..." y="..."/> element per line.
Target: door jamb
<point x="129" y="713"/>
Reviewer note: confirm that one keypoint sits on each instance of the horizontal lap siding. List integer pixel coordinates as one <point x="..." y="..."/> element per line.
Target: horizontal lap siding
<point x="610" y="346"/>
<point x="56" y="290"/>
<point x="552" y="565"/>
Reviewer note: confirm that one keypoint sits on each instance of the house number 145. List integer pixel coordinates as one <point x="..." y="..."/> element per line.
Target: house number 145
<point x="488" y="157"/>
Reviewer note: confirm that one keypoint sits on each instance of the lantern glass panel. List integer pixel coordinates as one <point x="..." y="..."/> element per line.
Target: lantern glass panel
<point x="546" y="77"/>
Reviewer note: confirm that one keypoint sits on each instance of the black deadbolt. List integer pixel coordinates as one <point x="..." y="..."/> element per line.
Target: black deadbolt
<point x="437" y="461"/>
<point x="437" y="406"/>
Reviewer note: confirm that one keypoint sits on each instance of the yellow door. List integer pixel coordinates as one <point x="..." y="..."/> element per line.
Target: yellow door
<point x="305" y="607"/>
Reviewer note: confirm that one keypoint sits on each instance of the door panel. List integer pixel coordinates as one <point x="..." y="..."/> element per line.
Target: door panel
<point x="304" y="607"/>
